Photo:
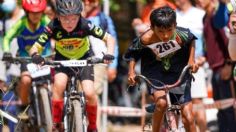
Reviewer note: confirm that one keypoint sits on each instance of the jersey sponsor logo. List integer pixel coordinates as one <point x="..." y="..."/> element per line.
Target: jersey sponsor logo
<point x="98" y="31"/>
<point x="70" y="44"/>
<point x="59" y="35"/>
<point x="162" y="49"/>
<point x="43" y="38"/>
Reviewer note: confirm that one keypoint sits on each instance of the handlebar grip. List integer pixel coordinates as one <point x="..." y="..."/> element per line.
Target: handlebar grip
<point x="95" y="60"/>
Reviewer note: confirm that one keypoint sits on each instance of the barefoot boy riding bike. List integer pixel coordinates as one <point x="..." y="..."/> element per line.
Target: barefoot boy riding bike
<point x="164" y="50"/>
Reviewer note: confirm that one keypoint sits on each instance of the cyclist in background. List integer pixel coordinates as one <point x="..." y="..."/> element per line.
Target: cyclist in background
<point x="27" y="30"/>
<point x="70" y="31"/>
<point x="178" y="48"/>
<point x="50" y="10"/>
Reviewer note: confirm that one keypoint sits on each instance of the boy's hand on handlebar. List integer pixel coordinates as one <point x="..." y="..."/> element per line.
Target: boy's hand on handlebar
<point x="107" y="58"/>
<point x="131" y="78"/>
<point x="7" y="56"/>
<point x="37" y="59"/>
<point x="194" y="67"/>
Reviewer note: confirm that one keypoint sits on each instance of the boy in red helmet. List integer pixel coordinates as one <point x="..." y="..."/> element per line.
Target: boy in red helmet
<point x="27" y="30"/>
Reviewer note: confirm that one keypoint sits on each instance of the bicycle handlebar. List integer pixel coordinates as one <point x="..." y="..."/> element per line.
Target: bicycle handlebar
<point x="26" y="59"/>
<point x="165" y="87"/>
<point x="74" y="63"/>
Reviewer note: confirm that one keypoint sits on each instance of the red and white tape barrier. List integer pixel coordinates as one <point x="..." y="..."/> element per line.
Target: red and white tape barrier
<point x="122" y="111"/>
<point x="219" y="104"/>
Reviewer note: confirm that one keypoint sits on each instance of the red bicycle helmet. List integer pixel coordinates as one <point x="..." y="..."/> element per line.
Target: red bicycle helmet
<point x="34" y="5"/>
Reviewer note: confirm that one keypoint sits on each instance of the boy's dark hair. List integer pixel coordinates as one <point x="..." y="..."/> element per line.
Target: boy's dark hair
<point x="163" y="17"/>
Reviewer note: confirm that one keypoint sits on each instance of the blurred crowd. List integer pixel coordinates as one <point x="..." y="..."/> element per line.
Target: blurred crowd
<point x="213" y="22"/>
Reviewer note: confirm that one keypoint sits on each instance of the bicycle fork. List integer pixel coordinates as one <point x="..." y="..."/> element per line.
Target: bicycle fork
<point x="84" y="119"/>
<point x="35" y="92"/>
<point x="78" y="96"/>
<point x="170" y="116"/>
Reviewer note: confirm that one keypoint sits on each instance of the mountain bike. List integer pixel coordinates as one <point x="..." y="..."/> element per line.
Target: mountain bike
<point x="75" y="119"/>
<point x="39" y="109"/>
<point x="173" y="110"/>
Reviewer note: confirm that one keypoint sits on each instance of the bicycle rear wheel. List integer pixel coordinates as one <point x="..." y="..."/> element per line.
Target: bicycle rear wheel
<point x="76" y="117"/>
<point x="46" y="109"/>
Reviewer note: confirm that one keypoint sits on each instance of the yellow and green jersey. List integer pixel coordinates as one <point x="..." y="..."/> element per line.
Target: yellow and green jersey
<point x="73" y="45"/>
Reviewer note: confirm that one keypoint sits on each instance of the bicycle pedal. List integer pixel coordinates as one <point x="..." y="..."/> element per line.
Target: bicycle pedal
<point x="150" y="108"/>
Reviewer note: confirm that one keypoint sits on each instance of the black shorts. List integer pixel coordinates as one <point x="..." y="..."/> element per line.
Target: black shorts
<point x="84" y="73"/>
<point x="181" y="98"/>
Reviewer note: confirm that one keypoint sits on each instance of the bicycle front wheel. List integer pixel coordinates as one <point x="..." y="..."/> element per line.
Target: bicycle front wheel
<point x="170" y="121"/>
<point x="45" y="102"/>
<point x="77" y="124"/>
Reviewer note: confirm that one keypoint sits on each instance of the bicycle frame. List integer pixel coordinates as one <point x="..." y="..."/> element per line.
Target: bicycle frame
<point x="40" y="96"/>
<point x="40" y="111"/>
<point x="73" y="92"/>
<point x="36" y="86"/>
<point x="74" y="97"/>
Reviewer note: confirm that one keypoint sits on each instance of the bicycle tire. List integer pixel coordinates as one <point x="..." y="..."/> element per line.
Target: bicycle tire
<point x="45" y="101"/>
<point x="77" y="124"/>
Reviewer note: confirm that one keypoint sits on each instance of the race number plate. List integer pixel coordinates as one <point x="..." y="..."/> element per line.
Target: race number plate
<point x="73" y="63"/>
<point x="163" y="49"/>
<point x="38" y="71"/>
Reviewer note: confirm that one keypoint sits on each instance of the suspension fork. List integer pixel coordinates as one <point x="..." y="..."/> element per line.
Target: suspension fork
<point x="67" y="108"/>
<point x="36" y="99"/>
<point x="68" y="95"/>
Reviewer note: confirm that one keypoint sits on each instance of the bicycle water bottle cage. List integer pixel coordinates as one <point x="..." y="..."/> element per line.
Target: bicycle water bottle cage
<point x="150" y="108"/>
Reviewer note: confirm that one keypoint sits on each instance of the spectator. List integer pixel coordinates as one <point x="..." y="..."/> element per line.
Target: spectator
<point x="93" y="13"/>
<point x="218" y="59"/>
<point x="232" y="37"/>
<point x="12" y="13"/>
